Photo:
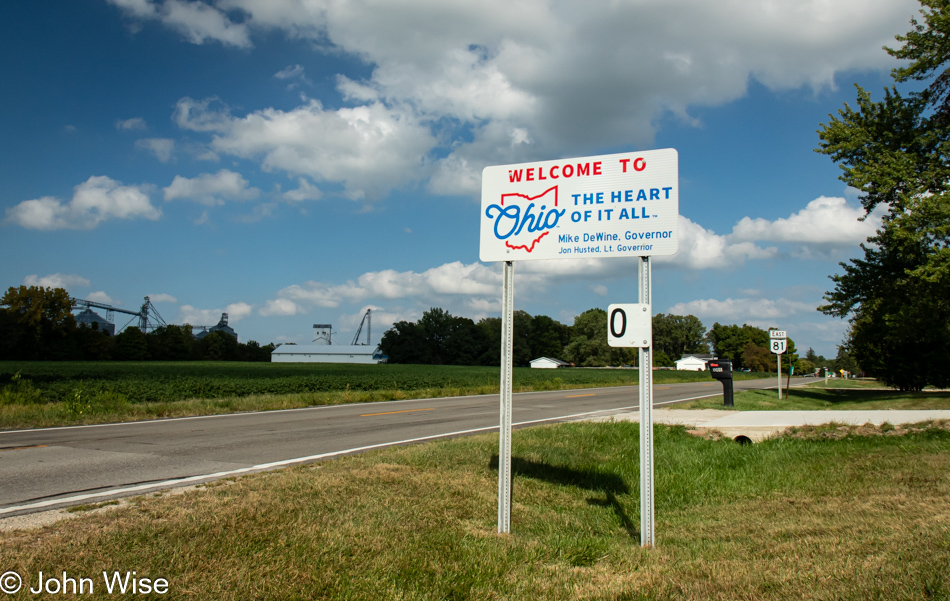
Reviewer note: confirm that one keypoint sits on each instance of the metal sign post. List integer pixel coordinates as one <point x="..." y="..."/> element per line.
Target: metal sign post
<point x="504" y="430"/>
<point x="778" y="343"/>
<point x="647" y="537"/>
<point x="778" y="358"/>
<point x="631" y="326"/>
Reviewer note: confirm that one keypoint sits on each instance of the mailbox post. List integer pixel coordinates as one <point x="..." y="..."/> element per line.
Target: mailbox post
<point x="722" y="371"/>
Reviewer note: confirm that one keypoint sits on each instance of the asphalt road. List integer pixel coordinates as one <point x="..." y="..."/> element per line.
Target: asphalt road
<point x="55" y="467"/>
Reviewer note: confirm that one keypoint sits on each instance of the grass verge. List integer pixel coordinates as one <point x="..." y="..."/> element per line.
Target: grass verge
<point x="814" y="398"/>
<point x="857" y="517"/>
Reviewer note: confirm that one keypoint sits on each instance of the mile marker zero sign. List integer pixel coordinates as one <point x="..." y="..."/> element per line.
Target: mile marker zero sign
<point x="629" y="325"/>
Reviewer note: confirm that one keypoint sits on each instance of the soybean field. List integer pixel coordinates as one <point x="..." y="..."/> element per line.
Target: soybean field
<point x="151" y="382"/>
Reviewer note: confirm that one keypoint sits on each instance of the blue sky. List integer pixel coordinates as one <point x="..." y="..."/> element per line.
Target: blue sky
<point x="297" y="161"/>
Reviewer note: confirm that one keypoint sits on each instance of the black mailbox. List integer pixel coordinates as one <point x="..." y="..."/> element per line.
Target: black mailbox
<point x="722" y="371"/>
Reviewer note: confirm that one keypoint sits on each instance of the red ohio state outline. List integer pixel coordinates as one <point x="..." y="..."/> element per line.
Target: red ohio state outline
<point x="526" y="197"/>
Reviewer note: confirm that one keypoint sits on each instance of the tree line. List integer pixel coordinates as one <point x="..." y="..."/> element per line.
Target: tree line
<point x="37" y="324"/>
<point x="896" y="151"/>
<point x="440" y="338"/>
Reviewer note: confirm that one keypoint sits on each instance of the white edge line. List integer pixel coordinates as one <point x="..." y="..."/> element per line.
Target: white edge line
<point x="283" y="463"/>
<point x="327" y="407"/>
<point x="286" y="462"/>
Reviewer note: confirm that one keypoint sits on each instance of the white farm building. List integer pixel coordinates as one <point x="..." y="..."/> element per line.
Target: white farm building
<point x="693" y="362"/>
<point x="327" y="353"/>
<point x="548" y="363"/>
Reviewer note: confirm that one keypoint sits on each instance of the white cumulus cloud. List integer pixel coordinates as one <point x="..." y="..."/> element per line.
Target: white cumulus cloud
<point x="207" y="115"/>
<point x="700" y="248"/>
<point x="825" y="223"/>
<point x="304" y="191"/>
<point x="742" y="310"/>
<point x="209" y="317"/>
<point x="211" y="189"/>
<point x="369" y="149"/>
<point x="454" y="86"/>
<point x="197" y="21"/>
<point x="162" y="148"/>
<point x="448" y="280"/>
<point x="280" y="306"/>
<point x="130" y="124"/>
<point x="56" y="280"/>
<point x="94" y="201"/>
<point x="101" y="297"/>
<point x="539" y="77"/>
<point x="162" y="298"/>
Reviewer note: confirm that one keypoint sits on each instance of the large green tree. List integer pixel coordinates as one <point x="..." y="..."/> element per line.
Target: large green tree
<point x="895" y="151"/>
<point x="676" y="335"/>
<point x="748" y="347"/>
<point x="588" y="345"/>
<point x="438" y="338"/>
<point x="37" y="323"/>
<point x="548" y="337"/>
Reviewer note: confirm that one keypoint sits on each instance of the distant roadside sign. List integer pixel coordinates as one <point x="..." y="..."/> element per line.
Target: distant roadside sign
<point x="616" y="205"/>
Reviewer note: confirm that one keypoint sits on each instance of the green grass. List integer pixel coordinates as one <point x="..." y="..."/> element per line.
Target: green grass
<point x="819" y="398"/>
<point x="842" y="383"/>
<point x="861" y="517"/>
<point x="41" y="394"/>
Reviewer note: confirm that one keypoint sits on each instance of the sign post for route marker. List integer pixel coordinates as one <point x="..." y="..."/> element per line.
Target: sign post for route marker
<point x="608" y="206"/>
<point x="778" y="344"/>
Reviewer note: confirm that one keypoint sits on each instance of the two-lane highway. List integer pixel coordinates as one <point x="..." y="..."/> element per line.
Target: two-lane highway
<point x="53" y="467"/>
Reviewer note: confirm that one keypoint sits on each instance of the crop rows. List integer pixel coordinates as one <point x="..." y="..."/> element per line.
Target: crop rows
<point x="174" y="381"/>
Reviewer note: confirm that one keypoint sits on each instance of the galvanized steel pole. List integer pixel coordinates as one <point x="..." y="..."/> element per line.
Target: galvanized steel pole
<point x="647" y="535"/>
<point x="504" y="429"/>
<point x="779" y="362"/>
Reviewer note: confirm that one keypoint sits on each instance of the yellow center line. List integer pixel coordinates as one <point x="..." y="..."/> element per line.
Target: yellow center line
<point x="394" y="412"/>
<point x="34" y="446"/>
<point x="661" y="388"/>
<point x="574" y="396"/>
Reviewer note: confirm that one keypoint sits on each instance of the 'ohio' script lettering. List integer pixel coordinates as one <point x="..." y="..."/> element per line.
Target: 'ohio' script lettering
<point x="512" y="219"/>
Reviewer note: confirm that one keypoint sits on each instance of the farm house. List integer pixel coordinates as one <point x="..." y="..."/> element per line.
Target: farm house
<point x="548" y="363"/>
<point x="693" y="362"/>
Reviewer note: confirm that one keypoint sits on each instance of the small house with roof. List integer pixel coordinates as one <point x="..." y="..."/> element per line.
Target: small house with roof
<point x="548" y="363"/>
<point x="694" y="362"/>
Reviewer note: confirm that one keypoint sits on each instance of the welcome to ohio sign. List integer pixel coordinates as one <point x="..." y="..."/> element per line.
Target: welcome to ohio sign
<point x="615" y="205"/>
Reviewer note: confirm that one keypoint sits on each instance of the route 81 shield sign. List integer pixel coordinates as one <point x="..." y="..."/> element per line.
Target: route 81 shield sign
<point x="778" y="346"/>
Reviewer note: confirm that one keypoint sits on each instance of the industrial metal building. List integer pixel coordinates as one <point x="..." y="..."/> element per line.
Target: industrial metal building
<point x="327" y="353"/>
<point x="90" y="319"/>
<point x="222" y="327"/>
<point x="324" y="351"/>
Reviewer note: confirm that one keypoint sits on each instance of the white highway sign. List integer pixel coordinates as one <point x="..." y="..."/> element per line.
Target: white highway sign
<point x="616" y="205"/>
